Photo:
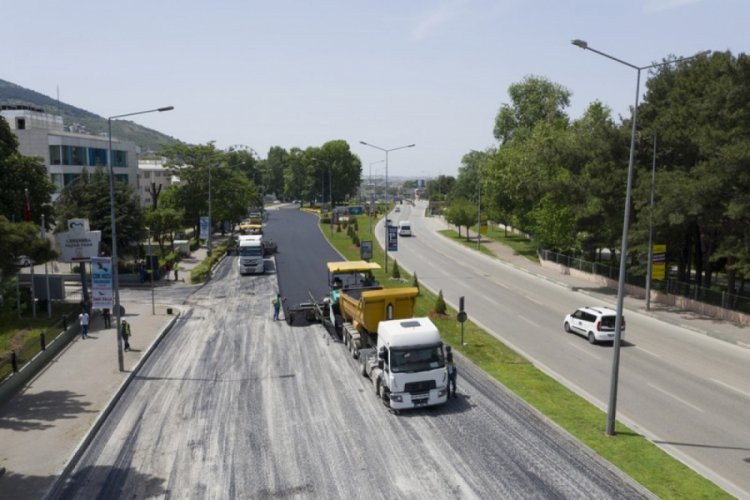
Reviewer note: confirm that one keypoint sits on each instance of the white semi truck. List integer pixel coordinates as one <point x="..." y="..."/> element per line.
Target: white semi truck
<point x="250" y="254"/>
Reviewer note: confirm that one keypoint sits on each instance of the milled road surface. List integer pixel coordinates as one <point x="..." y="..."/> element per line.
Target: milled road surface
<point x="234" y="405"/>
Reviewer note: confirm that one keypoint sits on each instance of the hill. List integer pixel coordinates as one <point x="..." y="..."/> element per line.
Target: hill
<point x="148" y="139"/>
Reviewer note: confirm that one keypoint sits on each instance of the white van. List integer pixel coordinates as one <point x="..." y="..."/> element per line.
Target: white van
<point x="404" y="228"/>
<point x="250" y="258"/>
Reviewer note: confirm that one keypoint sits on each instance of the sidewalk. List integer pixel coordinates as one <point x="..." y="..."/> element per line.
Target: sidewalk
<point x="705" y="325"/>
<point x="42" y="427"/>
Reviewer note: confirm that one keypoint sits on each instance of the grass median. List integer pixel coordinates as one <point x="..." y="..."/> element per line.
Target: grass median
<point x="632" y="453"/>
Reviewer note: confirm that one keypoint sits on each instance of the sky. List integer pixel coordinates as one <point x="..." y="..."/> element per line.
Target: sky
<point x="390" y="73"/>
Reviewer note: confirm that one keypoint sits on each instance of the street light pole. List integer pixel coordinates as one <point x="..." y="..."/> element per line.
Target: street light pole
<point x="208" y="242"/>
<point x="387" y="206"/>
<point x="651" y="231"/>
<point x="115" y="273"/>
<point x="372" y="203"/>
<point x="150" y="263"/>
<point x="612" y="410"/>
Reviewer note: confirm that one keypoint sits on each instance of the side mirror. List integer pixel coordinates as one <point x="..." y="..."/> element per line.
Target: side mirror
<point x="381" y="363"/>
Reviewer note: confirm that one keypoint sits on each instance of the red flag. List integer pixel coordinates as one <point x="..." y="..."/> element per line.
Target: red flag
<point x="27" y="207"/>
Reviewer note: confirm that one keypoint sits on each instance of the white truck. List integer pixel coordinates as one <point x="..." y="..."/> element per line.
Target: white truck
<point x="250" y="254"/>
<point x="408" y="366"/>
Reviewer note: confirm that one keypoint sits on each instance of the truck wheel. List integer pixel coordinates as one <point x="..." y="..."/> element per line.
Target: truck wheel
<point x="345" y="339"/>
<point x="363" y="371"/>
<point x="339" y="321"/>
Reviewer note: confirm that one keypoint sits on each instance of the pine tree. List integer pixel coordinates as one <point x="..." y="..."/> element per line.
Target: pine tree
<point x="396" y="273"/>
<point x="440" y="306"/>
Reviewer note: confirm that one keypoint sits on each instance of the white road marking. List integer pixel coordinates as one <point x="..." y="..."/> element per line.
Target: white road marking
<point x="675" y="397"/>
<point x="527" y="320"/>
<point x="648" y="352"/>
<point x="533" y="300"/>
<point x="732" y="387"/>
<point x="586" y="351"/>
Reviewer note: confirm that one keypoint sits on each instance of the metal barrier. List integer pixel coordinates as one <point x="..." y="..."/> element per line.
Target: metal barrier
<point x="719" y="298"/>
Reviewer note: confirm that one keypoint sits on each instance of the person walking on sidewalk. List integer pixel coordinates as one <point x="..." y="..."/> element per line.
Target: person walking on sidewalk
<point x="176" y="268"/>
<point x="168" y="270"/>
<point x="125" y="328"/>
<point x="107" y="318"/>
<point x="83" y="321"/>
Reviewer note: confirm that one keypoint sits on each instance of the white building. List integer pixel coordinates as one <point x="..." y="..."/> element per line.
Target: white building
<point x="152" y="176"/>
<point x="67" y="154"/>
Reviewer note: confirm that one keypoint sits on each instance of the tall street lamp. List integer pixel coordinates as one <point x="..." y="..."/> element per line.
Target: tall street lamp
<point x="115" y="273"/>
<point x="387" y="206"/>
<point x="612" y="410"/>
<point x="372" y="201"/>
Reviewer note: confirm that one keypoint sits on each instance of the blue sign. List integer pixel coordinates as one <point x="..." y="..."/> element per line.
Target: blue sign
<point x="392" y="238"/>
<point x="204" y="228"/>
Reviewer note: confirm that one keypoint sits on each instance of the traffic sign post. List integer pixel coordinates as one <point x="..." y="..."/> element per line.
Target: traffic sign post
<point x="461" y="317"/>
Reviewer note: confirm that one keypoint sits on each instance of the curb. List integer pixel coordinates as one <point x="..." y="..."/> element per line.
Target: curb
<point x="57" y="486"/>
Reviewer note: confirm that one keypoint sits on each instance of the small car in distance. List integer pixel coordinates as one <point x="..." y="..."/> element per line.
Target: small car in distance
<point x="597" y="324"/>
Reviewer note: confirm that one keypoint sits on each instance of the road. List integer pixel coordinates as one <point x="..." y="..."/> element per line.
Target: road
<point x="232" y="404"/>
<point x="688" y="392"/>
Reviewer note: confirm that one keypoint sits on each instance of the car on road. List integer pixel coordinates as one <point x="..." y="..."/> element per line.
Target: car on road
<point x="597" y="324"/>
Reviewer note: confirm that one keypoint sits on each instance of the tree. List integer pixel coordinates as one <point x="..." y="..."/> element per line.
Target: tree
<point x="21" y="238"/>
<point x="440" y="306"/>
<point x="533" y="100"/>
<point x="164" y="222"/>
<point x="20" y="175"/>
<point x="462" y="212"/>
<point x="89" y="198"/>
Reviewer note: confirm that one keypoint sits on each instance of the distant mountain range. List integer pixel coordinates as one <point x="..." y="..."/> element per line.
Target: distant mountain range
<point x="79" y="119"/>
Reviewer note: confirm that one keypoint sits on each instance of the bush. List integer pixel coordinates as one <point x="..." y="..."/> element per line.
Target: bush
<point x="202" y="271"/>
<point x="338" y="228"/>
<point x="355" y="224"/>
<point x="440" y="306"/>
<point x="396" y="273"/>
<point x="415" y="281"/>
<point x="355" y="239"/>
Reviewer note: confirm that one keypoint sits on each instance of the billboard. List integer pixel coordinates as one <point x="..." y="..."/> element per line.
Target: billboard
<point x="101" y="282"/>
<point x="78" y="244"/>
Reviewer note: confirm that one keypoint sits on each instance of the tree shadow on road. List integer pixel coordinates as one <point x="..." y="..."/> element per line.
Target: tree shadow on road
<point x="28" y="412"/>
<point x="110" y="482"/>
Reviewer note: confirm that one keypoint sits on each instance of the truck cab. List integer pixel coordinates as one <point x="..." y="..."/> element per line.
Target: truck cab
<point x="250" y="255"/>
<point x="408" y="366"/>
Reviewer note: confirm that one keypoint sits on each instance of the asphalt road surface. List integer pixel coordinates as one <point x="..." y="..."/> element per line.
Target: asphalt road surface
<point x="689" y="393"/>
<point x="234" y="405"/>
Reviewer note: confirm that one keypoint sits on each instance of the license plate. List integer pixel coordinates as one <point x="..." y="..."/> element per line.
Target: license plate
<point x="420" y="402"/>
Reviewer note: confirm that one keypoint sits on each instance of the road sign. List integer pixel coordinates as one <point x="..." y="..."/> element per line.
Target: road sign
<point x="392" y="238"/>
<point x="365" y="250"/>
<point x="462" y="316"/>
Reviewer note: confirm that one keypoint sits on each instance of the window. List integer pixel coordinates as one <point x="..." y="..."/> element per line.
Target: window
<point x="121" y="178"/>
<point x="417" y="359"/>
<point x="57" y="180"/>
<point x="146" y="175"/>
<point x="20" y="123"/>
<point x="70" y="178"/>
<point x="97" y="157"/>
<point x="55" y="155"/>
<point x="119" y="158"/>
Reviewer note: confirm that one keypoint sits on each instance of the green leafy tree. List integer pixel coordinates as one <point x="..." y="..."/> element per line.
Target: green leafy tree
<point x="21" y="239"/>
<point x="20" y="175"/>
<point x="89" y="197"/>
<point x="462" y="212"/>
<point x="554" y="225"/>
<point x="164" y="222"/>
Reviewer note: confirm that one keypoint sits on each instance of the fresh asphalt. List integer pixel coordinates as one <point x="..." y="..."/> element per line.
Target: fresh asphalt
<point x="234" y="405"/>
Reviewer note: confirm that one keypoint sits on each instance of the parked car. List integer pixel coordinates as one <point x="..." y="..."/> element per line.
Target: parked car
<point x="23" y="261"/>
<point x="597" y="324"/>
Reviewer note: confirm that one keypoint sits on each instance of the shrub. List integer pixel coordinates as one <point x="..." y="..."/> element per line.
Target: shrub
<point x="440" y="306"/>
<point x="355" y="239"/>
<point x="415" y="281"/>
<point x="396" y="273"/>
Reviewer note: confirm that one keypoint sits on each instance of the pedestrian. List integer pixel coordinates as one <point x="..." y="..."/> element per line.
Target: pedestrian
<point x="107" y="318"/>
<point x="277" y="306"/>
<point x="125" y="329"/>
<point x="176" y="268"/>
<point x="452" y="371"/>
<point x="167" y="270"/>
<point x="83" y="321"/>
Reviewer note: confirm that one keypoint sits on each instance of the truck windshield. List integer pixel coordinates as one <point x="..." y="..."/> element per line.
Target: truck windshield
<point x="416" y="359"/>
<point x="251" y="251"/>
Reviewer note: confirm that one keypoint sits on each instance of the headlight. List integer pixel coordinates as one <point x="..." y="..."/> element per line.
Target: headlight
<point x="397" y="398"/>
<point x="441" y="393"/>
